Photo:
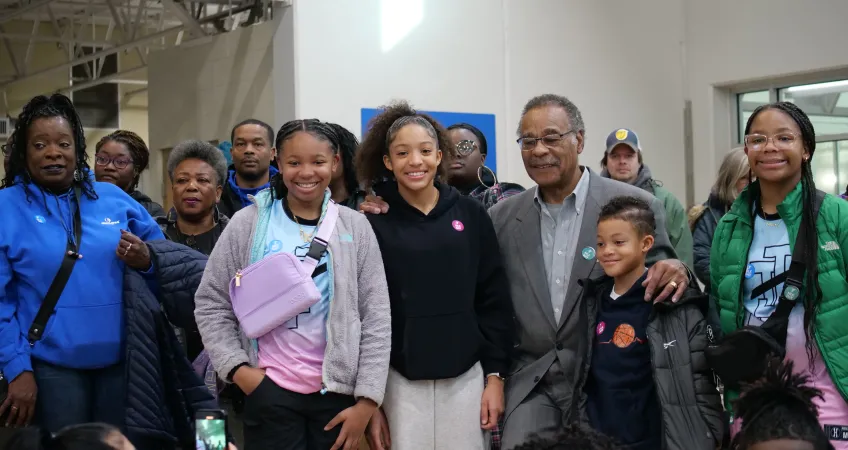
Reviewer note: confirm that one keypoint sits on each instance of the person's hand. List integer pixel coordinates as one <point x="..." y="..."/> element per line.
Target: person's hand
<point x="20" y="400"/>
<point x="248" y="378"/>
<point x="378" y="435"/>
<point x="671" y="276"/>
<point x="374" y="205"/>
<point x="133" y="251"/>
<point x="492" y="404"/>
<point x="353" y="421"/>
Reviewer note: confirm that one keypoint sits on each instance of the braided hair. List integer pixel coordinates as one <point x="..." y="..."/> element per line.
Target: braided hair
<point x="779" y="406"/>
<point x="348" y="144"/>
<point x="135" y="145"/>
<point x="381" y="132"/>
<point x="57" y="105"/>
<point x="808" y="220"/>
<point x="89" y="436"/>
<point x="319" y="130"/>
<point x="570" y="437"/>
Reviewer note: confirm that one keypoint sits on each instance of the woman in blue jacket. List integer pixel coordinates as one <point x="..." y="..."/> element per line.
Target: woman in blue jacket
<point x="75" y="373"/>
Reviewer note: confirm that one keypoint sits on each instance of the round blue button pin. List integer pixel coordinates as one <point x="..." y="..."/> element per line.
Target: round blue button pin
<point x="588" y="253"/>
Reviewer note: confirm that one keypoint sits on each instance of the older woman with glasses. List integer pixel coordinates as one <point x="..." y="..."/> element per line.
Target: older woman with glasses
<point x="120" y="158"/>
<point x="468" y="172"/>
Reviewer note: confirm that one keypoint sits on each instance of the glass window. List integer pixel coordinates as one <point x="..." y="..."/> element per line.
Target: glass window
<point x="746" y="104"/>
<point x="824" y="167"/>
<point x="825" y="103"/>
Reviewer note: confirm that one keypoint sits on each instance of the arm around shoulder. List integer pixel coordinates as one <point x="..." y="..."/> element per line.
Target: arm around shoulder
<point x="374" y="312"/>
<point x="662" y="244"/>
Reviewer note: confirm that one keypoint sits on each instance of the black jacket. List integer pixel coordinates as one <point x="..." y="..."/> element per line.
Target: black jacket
<point x="163" y="390"/>
<point x="677" y="333"/>
<point x="168" y="225"/>
<point x="702" y="237"/>
<point x="449" y="295"/>
<point x="153" y="208"/>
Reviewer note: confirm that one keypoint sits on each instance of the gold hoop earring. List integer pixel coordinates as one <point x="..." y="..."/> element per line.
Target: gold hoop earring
<point x="480" y="175"/>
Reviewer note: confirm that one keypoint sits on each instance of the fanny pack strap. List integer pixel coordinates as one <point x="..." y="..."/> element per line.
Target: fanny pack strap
<point x="778" y="322"/>
<point x="322" y="237"/>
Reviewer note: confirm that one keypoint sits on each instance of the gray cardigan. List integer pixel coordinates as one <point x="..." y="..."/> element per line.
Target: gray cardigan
<point x="356" y="361"/>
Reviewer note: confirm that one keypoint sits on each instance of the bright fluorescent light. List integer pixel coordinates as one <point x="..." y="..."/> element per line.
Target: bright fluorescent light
<point x="819" y="86"/>
<point x="399" y="18"/>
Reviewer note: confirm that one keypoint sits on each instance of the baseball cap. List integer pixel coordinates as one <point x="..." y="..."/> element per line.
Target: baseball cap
<point x="623" y="136"/>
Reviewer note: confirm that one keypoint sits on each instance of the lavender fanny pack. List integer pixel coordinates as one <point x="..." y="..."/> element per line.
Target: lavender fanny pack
<point x="275" y="289"/>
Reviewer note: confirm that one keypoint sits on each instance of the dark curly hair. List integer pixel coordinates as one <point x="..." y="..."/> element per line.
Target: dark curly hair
<point x="808" y="220"/>
<point x="135" y="144"/>
<point x="779" y="406"/>
<point x="348" y="143"/>
<point x="89" y="436"/>
<point x="571" y="437"/>
<point x="57" y="105"/>
<point x="382" y="130"/>
<point x="632" y="210"/>
<point x="319" y="130"/>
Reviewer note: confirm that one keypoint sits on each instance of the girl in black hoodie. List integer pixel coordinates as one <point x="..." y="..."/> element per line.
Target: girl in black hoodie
<point x="451" y="311"/>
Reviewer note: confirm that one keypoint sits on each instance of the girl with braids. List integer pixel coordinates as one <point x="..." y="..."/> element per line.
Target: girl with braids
<point x="754" y="241"/>
<point x="75" y="373"/>
<point x="779" y="413"/>
<point x="313" y="382"/>
<point x="451" y="310"/>
<point x="120" y="158"/>
<point x="345" y="187"/>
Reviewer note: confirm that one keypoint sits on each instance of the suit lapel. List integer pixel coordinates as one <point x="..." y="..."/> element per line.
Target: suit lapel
<point x="527" y="234"/>
<point x="582" y="267"/>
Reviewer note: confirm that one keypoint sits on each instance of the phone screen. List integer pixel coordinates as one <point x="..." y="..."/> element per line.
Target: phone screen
<point x="211" y="430"/>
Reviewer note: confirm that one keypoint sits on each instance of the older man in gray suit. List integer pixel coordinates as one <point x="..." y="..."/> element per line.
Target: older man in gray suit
<point x="547" y="236"/>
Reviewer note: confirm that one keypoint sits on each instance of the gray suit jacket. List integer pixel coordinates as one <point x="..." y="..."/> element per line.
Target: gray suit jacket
<point x="539" y="340"/>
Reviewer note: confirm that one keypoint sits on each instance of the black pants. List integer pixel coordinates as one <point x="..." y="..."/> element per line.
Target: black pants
<point x="277" y="419"/>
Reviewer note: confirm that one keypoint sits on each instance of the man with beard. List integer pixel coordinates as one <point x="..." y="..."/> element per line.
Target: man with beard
<point x="252" y="153"/>
<point x="623" y="162"/>
<point x="547" y="237"/>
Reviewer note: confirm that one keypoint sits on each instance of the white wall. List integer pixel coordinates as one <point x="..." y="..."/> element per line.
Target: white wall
<point x="200" y="90"/>
<point x="732" y="42"/>
<point x="619" y="61"/>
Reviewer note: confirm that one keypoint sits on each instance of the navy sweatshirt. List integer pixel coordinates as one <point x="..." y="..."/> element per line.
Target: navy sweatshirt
<point x="447" y="285"/>
<point x="622" y="396"/>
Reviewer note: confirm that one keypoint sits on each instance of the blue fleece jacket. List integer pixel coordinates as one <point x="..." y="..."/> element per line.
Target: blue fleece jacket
<point x="87" y="330"/>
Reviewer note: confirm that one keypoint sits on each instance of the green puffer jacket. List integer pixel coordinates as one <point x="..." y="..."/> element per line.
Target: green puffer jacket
<point x="728" y="259"/>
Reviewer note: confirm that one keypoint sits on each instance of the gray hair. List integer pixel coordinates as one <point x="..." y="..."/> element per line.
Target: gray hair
<point x="733" y="167"/>
<point x="570" y="108"/>
<point x="409" y="120"/>
<point x="203" y="151"/>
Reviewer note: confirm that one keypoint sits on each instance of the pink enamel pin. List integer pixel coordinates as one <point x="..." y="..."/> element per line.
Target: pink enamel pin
<point x="601" y="327"/>
<point x="457" y="225"/>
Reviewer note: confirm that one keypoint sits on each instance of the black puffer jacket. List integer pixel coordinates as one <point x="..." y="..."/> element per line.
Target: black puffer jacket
<point x="678" y="334"/>
<point x="163" y="391"/>
<point x="702" y="236"/>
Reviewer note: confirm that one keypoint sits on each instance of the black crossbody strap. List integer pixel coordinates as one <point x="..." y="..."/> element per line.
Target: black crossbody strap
<point x="778" y="321"/>
<point x="48" y="305"/>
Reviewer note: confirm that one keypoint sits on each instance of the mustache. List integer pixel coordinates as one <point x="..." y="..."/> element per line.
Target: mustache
<point x="544" y="162"/>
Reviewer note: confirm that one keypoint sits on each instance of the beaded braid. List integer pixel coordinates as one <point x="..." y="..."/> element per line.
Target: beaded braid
<point x="57" y="105"/>
<point x="348" y="143"/>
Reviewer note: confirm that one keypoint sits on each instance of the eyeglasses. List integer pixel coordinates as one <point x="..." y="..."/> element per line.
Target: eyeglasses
<point x="550" y="141"/>
<point x="119" y="163"/>
<point x="781" y="141"/>
<point x="465" y="147"/>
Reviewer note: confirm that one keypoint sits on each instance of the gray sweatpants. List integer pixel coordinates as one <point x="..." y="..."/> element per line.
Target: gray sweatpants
<point x="435" y="415"/>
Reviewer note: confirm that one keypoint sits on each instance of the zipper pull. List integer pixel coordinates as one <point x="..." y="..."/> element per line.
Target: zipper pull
<point x="238" y="279"/>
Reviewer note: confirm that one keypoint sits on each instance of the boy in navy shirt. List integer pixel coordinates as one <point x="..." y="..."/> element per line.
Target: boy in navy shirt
<point x="647" y="384"/>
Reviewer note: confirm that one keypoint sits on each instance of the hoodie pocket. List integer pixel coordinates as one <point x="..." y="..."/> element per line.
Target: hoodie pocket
<point x="84" y="337"/>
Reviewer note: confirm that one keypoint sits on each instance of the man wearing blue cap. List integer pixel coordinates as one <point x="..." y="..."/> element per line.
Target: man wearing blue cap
<point x="623" y="162"/>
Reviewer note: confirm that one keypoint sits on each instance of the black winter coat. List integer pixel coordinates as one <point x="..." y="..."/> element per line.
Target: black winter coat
<point x="702" y="237"/>
<point x="163" y="390"/>
<point x="677" y="333"/>
<point x="153" y="208"/>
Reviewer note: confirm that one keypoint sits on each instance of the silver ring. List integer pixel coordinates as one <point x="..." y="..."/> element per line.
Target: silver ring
<point x="14" y="408"/>
<point x="125" y="251"/>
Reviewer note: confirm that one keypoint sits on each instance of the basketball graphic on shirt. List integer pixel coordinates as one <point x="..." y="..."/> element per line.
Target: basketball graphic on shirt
<point x="624" y="335"/>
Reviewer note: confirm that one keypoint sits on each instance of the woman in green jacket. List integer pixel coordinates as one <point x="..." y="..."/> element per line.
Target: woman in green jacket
<point x="753" y="243"/>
